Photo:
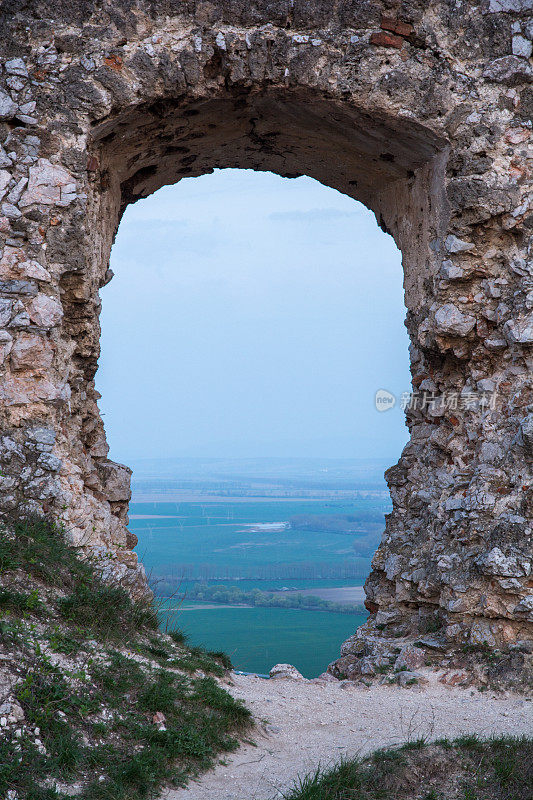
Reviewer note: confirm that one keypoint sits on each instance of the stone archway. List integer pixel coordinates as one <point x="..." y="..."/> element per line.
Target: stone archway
<point x="422" y="114"/>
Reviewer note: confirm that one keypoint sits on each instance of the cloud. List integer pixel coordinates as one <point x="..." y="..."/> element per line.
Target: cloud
<point x="313" y="215"/>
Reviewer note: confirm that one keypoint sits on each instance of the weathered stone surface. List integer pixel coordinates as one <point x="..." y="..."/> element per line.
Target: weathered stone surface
<point x="450" y="321"/>
<point x="408" y="678"/>
<point x="8" y="108"/>
<point x="526" y="428"/>
<point x="16" y="66"/>
<point x="520" y="331"/>
<point x="423" y="114"/>
<point x="116" y="480"/>
<point x="45" y="311"/>
<point x="510" y="70"/>
<point x="286" y="671"/>
<point x="49" y="184"/>
<point x="31" y="352"/>
<point x="410" y="658"/>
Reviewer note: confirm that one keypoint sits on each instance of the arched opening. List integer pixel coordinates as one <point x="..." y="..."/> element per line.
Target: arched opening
<point x="272" y="309"/>
<point x="392" y="165"/>
<point x="416" y="113"/>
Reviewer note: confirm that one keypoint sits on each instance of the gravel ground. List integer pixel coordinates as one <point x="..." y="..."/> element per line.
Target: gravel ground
<point x="301" y="724"/>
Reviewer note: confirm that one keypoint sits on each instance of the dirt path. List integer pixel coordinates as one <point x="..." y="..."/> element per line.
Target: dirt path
<point x="301" y="724"/>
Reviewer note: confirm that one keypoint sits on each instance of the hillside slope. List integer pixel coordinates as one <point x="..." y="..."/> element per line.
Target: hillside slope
<point x="94" y="700"/>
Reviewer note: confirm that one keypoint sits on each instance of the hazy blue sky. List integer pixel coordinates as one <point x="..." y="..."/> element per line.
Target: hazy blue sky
<point x="252" y="315"/>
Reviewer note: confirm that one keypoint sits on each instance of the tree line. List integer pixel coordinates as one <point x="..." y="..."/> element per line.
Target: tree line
<point x="233" y="596"/>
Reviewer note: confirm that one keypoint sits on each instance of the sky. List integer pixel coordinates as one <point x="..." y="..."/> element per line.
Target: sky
<point x="252" y="316"/>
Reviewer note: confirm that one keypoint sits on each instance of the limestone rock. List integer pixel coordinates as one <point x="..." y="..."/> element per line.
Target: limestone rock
<point x="8" y="108"/>
<point x="45" y="312"/>
<point x="455" y="245"/>
<point x="286" y="671"/>
<point x="31" y="352"/>
<point x="520" y="331"/>
<point x="410" y="658"/>
<point x="450" y="321"/>
<point x="16" y="66"/>
<point x="496" y="563"/>
<point x="408" y="678"/>
<point x="49" y="184"/>
<point x="509" y="70"/>
<point x="526" y="427"/>
<point x="116" y="479"/>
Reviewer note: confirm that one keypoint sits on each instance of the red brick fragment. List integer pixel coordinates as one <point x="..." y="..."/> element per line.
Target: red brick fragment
<point x="396" y="26"/>
<point x="386" y="40"/>
<point x="388" y="23"/>
<point x="113" y="62"/>
<point x="403" y="28"/>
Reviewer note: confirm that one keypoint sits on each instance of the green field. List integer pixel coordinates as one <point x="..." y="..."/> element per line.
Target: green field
<point x="244" y="543"/>
<point x="220" y="541"/>
<point x="258" y="638"/>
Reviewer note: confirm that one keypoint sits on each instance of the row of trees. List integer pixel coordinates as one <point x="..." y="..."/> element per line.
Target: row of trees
<point x="233" y="596"/>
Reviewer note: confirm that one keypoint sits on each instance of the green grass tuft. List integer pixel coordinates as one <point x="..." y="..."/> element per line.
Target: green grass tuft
<point x="468" y="768"/>
<point x="107" y="611"/>
<point x="20" y="601"/>
<point x="38" y="547"/>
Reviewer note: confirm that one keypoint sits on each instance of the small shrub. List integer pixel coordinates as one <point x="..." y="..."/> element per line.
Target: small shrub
<point x="62" y="642"/>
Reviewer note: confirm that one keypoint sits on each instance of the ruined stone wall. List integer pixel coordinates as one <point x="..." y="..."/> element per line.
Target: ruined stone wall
<point x="421" y="111"/>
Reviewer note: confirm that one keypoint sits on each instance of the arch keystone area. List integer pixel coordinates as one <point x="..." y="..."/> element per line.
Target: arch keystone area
<point x="424" y="115"/>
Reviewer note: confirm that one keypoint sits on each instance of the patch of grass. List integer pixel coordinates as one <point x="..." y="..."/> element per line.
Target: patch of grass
<point x="10" y="631"/>
<point x="415" y="744"/>
<point x="156" y="649"/>
<point x="221" y="657"/>
<point x="178" y="636"/>
<point x="467" y="769"/>
<point x="198" y="716"/>
<point x="161" y="694"/>
<point x="233" y="712"/>
<point x="19" y="761"/>
<point x="119" y="676"/>
<point x="20" y="601"/>
<point x="39" y="548"/>
<point x="107" y="611"/>
<point x="469" y="742"/>
<point x="197" y="659"/>
<point x="42" y="694"/>
<point x="65" y="643"/>
<point x="121" y="712"/>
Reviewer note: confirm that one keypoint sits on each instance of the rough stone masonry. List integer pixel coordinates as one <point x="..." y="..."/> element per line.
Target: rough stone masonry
<point x="420" y="110"/>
